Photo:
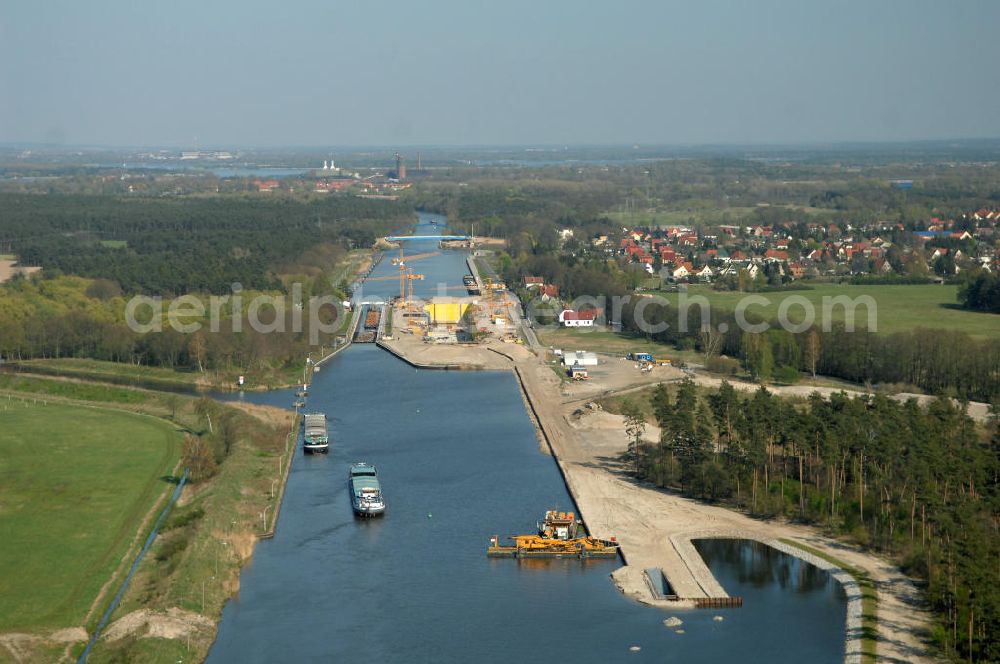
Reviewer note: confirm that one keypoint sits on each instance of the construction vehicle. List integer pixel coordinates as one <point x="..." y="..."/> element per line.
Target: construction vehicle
<point x="535" y="546"/>
<point x="640" y="357"/>
<point x="559" y="536"/>
<point x="559" y="525"/>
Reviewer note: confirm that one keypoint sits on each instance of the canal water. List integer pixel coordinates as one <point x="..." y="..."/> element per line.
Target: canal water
<point x="442" y="272"/>
<point x="459" y="463"/>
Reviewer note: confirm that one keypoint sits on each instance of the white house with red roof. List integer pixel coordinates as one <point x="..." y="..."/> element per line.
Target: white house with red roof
<point x="570" y="318"/>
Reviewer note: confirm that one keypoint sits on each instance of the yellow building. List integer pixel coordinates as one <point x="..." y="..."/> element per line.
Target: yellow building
<point x="446" y="310"/>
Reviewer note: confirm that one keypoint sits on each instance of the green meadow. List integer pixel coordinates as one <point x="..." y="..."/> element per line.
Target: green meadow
<point x="76" y="484"/>
<point x="897" y="308"/>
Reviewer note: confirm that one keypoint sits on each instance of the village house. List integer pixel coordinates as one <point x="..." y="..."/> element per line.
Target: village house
<point x="266" y="185"/>
<point x="682" y="271"/>
<point x="533" y="282"/>
<point x="570" y="318"/>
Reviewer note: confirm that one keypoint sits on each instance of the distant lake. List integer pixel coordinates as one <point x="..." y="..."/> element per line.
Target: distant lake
<point x="220" y="171"/>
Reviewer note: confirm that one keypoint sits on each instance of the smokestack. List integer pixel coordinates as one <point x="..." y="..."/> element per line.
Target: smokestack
<point x="418" y="161"/>
<point x="400" y="167"/>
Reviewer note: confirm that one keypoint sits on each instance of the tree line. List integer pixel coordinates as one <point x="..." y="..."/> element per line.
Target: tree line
<point x="935" y="361"/>
<point x="980" y="291"/>
<point x="921" y="483"/>
<point x="63" y="317"/>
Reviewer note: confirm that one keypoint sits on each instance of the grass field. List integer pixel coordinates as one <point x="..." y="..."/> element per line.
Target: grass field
<point x="75" y="486"/>
<point x="898" y="308"/>
<point x="115" y="372"/>
<point x="53" y="387"/>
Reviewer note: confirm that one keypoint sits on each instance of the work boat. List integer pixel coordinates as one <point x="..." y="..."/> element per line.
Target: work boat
<point x="366" y="492"/>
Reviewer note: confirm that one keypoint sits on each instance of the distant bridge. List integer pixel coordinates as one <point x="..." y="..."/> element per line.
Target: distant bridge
<point x="440" y="238"/>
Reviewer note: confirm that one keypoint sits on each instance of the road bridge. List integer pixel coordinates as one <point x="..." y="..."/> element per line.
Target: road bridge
<point x="439" y="238"/>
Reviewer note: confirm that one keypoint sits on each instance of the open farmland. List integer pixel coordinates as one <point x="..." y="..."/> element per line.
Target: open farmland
<point x="76" y="484"/>
<point x="899" y="308"/>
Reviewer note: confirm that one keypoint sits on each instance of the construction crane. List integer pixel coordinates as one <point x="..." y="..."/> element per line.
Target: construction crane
<point x="403" y="279"/>
<point x="403" y="276"/>
<point x="414" y="257"/>
<point x="411" y="278"/>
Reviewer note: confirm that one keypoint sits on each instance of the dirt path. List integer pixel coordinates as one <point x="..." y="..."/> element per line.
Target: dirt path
<point x="615" y="375"/>
<point x="24" y="647"/>
<point x="977" y="410"/>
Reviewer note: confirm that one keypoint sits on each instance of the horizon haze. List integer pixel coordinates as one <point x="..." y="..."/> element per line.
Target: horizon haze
<point x="448" y="74"/>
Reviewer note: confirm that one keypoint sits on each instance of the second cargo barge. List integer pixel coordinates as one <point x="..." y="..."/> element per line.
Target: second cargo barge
<point x="314" y="434"/>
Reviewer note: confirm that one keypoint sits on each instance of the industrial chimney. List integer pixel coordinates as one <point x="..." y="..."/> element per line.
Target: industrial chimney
<point x="400" y="167"/>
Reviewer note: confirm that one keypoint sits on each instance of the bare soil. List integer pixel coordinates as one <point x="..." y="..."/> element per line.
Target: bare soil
<point x="174" y="623"/>
<point x="8" y="268"/>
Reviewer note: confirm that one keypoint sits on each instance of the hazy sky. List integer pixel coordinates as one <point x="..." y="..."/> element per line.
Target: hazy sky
<point x="328" y="72"/>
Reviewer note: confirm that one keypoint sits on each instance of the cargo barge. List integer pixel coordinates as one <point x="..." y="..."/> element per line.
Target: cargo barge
<point x="314" y="434"/>
<point x="366" y="491"/>
<point x="470" y="284"/>
<point x="560" y="535"/>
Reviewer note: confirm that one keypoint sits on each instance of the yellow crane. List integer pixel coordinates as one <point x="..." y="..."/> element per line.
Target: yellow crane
<point x="404" y="277"/>
<point x="405" y="274"/>
<point x="410" y="277"/>
<point x="414" y="257"/>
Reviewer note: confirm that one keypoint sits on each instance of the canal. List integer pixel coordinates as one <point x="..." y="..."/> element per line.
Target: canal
<point x="459" y="462"/>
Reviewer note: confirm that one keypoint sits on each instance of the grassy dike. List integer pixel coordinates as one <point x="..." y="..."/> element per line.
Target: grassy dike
<point x="869" y="599"/>
<point x="194" y="565"/>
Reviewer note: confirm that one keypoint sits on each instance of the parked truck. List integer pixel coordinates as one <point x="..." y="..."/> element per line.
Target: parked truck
<point x="640" y="357"/>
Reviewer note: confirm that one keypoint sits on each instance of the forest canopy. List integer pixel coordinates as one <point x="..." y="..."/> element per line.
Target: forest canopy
<point x="171" y="246"/>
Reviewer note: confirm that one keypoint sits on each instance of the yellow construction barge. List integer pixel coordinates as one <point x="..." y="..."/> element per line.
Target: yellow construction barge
<point x="559" y="536"/>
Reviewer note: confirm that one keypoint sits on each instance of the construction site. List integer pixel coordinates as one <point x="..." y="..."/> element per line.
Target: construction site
<point x="481" y="309"/>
